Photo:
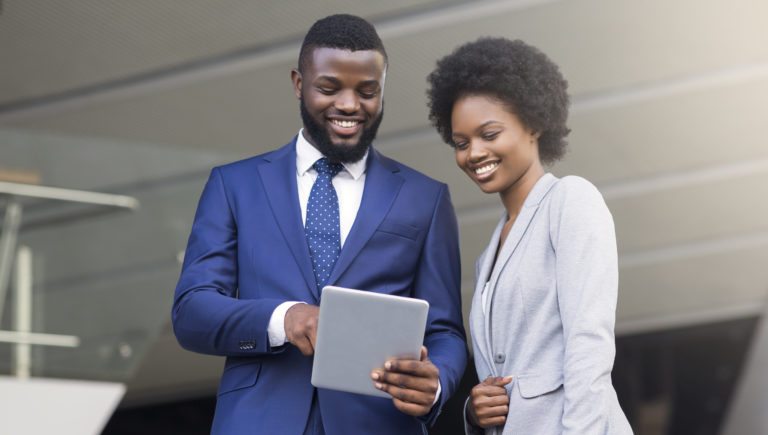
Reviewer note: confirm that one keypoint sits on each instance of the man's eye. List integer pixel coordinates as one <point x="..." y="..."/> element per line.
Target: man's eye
<point x="327" y="91"/>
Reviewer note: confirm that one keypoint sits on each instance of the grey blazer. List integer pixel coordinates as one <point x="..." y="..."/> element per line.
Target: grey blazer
<point x="549" y="313"/>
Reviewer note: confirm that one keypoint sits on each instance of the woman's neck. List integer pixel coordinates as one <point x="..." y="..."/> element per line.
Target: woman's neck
<point x="514" y="197"/>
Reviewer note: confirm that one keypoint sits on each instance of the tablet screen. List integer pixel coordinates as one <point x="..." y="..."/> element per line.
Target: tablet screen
<point x="358" y="331"/>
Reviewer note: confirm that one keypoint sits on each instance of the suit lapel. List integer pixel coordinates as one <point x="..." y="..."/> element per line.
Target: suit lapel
<point x="516" y="233"/>
<point x="279" y="179"/>
<point x="483" y="276"/>
<point x="381" y="188"/>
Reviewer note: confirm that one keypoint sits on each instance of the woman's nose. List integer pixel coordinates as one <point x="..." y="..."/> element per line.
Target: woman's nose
<point x="477" y="151"/>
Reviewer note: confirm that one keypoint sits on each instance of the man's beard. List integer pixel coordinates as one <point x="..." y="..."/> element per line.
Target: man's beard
<point x="338" y="153"/>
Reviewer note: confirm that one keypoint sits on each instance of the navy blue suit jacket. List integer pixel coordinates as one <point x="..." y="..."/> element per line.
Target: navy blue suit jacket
<point x="247" y="254"/>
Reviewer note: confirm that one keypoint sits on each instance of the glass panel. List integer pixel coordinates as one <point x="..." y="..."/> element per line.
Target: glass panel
<point x="105" y="275"/>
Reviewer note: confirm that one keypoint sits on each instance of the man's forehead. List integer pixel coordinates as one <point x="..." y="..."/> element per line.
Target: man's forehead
<point x="329" y="59"/>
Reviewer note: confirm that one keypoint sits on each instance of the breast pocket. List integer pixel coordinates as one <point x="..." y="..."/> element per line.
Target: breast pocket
<point x="238" y="376"/>
<point x="398" y="229"/>
<point x="390" y="257"/>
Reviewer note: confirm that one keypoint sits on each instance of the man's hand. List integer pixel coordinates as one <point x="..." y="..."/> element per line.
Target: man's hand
<point x="301" y="327"/>
<point x="488" y="402"/>
<point x="412" y="384"/>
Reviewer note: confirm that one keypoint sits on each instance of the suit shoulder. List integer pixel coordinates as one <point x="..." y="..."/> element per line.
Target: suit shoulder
<point x="239" y="165"/>
<point x="250" y="163"/>
<point x="578" y="196"/>
<point x="573" y="187"/>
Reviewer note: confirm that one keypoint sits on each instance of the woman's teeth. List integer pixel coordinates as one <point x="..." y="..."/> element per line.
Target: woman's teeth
<point x="485" y="169"/>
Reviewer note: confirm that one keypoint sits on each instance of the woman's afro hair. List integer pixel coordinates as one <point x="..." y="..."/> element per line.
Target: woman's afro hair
<point x="516" y="74"/>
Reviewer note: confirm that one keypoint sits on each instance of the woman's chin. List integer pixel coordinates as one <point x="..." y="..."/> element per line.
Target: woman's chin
<point x="487" y="188"/>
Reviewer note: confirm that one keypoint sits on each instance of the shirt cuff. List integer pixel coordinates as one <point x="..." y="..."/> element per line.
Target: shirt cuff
<point x="276" y="326"/>
<point x="437" y="395"/>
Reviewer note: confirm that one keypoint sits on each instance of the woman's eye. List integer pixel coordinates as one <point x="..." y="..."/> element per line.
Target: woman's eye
<point x="490" y="136"/>
<point x="460" y="145"/>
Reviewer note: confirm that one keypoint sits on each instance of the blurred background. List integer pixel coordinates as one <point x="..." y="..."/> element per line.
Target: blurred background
<point x="138" y="100"/>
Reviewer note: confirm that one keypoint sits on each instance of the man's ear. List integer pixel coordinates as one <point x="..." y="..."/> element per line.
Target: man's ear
<point x="297" y="82"/>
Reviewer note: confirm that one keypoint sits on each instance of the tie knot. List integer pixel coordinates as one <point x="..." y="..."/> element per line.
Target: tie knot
<point x="323" y="166"/>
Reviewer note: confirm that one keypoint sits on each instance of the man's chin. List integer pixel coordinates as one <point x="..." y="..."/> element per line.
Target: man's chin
<point x="344" y="141"/>
<point x="345" y="144"/>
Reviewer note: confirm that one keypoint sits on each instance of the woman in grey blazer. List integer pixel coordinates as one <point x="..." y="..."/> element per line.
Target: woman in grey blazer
<point x="544" y="307"/>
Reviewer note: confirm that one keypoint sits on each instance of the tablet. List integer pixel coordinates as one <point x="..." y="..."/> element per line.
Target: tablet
<point x="358" y="331"/>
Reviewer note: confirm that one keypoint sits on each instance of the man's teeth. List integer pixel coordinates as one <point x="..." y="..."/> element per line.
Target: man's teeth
<point x="345" y="124"/>
<point x="485" y="169"/>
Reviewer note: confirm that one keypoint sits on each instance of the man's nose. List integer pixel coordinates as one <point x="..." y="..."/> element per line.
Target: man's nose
<point x="347" y="102"/>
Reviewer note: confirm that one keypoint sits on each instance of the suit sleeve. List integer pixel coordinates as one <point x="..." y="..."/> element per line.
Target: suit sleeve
<point x="439" y="282"/>
<point x="207" y="315"/>
<point x="587" y="284"/>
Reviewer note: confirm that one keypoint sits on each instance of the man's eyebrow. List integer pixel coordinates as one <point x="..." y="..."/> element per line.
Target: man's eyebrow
<point x="336" y="81"/>
<point x="369" y="83"/>
<point x="331" y="79"/>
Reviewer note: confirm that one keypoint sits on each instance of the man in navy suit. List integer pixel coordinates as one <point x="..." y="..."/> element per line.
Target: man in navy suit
<point x="251" y="281"/>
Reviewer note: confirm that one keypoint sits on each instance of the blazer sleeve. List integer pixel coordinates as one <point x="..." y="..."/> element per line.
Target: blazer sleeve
<point x="583" y="237"/>
<point x="438" y="281"/>
<point x="207" y="315"/>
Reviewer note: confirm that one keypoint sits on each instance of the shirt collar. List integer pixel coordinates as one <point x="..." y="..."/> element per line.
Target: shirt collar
<point x="307" y="155"/>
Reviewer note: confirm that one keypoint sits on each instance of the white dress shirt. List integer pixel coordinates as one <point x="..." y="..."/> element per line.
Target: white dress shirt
<point x="349" y="185"/>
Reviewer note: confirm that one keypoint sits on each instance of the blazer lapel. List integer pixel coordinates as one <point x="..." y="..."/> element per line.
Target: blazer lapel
<point x="483" y="277"/>
<point x="524" y="218"/>
<point x="381" y="188"/>
<point x="279" y="179"/>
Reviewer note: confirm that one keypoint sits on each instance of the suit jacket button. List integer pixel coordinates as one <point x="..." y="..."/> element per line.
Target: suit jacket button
<point x="499" y="357"/>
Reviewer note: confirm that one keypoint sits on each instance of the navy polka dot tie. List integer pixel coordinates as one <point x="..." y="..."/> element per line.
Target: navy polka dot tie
<point x="322" y="226"/>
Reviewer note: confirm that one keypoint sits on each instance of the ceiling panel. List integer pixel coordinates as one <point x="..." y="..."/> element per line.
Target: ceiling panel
<point x="52" y="46"/>
<point x="247" y="113"/>
<point x="599" y="45"/>
<point x="721" y="208"/>
<point x="717" y="125"/>
<point x="705" y="283"/>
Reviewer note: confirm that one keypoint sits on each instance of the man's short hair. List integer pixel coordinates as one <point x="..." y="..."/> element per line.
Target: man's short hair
<point x="344" y="31"/>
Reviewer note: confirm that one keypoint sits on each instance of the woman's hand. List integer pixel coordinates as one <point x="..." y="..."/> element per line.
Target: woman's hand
<point x="488" y="402"/>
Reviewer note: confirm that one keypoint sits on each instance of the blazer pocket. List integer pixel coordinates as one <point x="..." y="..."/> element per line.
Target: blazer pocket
<point x="239" y="376"/>
<point x="398" y="229"/>
<point x="531" y="386"/>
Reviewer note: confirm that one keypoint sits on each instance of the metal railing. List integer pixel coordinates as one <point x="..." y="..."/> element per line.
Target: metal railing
<point x="22" y="336"/>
